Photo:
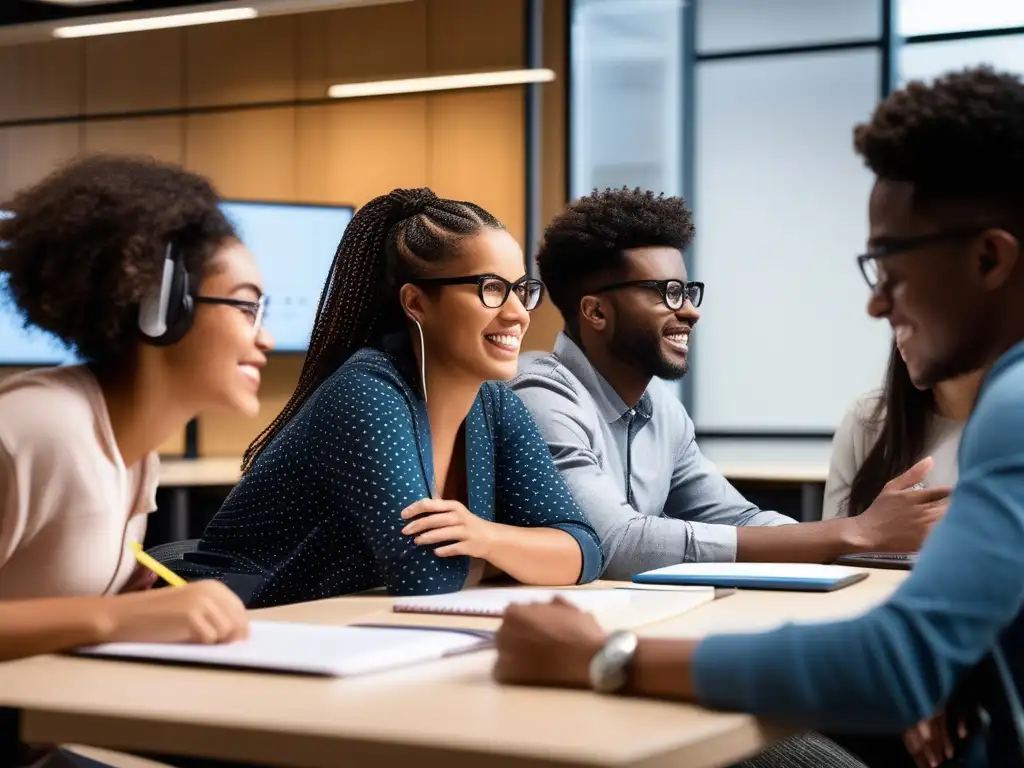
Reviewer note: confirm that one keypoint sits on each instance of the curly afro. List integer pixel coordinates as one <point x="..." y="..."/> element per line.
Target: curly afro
<point x="588" y="238"/>
<point x="960" y="138"/>
<point x="86" y="243"/>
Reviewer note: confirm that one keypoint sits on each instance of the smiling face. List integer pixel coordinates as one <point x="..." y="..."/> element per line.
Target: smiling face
<point x="460" y="333"/>
<point x="218" y="361"/>
<point x="933" y="295"/>
<point x="634" y="322"/>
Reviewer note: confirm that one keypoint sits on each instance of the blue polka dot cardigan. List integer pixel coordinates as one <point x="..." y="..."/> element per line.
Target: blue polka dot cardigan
<point x="318" y="514"/>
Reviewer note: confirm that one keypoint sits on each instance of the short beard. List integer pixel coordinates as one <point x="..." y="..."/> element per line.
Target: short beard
<point x="643" y="351"/>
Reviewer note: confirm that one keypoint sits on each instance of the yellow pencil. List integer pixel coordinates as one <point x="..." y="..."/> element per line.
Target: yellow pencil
<point x="159" y="569"/>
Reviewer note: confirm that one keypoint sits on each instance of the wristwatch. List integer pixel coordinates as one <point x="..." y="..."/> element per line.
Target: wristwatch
<point x="609" y="669"/>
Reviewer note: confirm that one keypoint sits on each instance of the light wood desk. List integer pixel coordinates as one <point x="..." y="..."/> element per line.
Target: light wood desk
<point x="450" y="713"/>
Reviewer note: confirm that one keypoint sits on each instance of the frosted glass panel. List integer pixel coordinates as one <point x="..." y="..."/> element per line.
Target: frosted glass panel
<point x="627" y="90"/>
<point x="924" y="61"/>
<point x="784" y="343"/>
<point x="728" y="25"/>
<point x="926" y="17"/>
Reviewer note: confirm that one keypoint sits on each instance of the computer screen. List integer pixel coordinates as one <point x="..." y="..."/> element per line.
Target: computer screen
<point x="294" y="246"/>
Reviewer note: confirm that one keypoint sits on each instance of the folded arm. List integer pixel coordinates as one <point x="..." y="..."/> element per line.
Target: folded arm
<point x="544" y="536"/>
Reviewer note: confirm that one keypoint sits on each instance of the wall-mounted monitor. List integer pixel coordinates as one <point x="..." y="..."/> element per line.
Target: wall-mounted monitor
<point x="294" y="246"/>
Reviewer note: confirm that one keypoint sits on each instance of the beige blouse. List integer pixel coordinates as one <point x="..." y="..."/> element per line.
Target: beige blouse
<point x="856" y="436"/>
<point x="68" y="504"/>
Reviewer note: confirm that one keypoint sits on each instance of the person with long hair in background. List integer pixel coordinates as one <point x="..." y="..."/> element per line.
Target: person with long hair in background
<point x="896" y="438"/>
<point x="399" y="462"/>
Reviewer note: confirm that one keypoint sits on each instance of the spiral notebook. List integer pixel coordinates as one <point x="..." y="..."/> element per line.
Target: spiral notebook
<point x="493" y="602"/>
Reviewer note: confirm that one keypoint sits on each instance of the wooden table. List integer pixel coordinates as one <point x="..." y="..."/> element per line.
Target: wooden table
<point x="450" y="713"/>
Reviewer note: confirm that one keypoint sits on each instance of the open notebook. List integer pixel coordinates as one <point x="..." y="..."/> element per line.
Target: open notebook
<point x="311" y="649"/>
<point x="612" y="607"/>
<point x="808" y="577"/>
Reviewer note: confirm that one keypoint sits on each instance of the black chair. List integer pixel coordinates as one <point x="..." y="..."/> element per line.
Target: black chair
<point x="184" y="558"/>
<point x="172" y="552"/>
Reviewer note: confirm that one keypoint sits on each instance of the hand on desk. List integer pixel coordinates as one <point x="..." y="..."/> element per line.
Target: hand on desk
<point x="435" y="521"/>
<point x="547" y="644"/>
<point x="202" y="612"/>
<point x="902" y="515"/>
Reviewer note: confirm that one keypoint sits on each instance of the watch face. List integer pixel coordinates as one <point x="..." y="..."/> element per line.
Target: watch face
<point x="608" y="669"/>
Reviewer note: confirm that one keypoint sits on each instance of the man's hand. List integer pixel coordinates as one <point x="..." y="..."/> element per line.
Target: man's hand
<point x="930" y="743"/>
<point x="438" y="520"/>
<point x="902" y="515"/>
<point x="547" y="644"/>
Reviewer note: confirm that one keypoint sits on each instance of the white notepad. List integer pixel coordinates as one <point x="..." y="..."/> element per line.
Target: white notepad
<point x="493" y="602"/>
<point x="312" y="649"/>
<point x="786" y="576"/>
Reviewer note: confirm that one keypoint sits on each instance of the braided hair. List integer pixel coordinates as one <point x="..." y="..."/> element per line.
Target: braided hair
<point x="391" y="240"/>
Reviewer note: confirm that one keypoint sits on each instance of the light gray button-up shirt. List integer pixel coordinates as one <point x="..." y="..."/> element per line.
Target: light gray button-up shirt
<point x="637" y="472"/>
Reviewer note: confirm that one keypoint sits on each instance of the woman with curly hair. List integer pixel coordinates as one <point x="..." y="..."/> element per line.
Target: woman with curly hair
<point x="132" y="264"/>
<point x="399" y="462"/>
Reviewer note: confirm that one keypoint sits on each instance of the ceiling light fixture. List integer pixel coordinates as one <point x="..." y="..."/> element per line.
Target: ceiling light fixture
<point x="155" y="22"/>
<point x="441" y="83"/>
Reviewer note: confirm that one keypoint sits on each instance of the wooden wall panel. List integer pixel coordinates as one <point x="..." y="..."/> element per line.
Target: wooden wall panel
<point x="41" y="80"/>
<point x="159" y="137"/>
<point x="116" y="80"/>
<point x="241" y="63"/>
<point x="356" y="44"/>
<point x="247" y="153"/>
<point x="354" y="150"/>
<point x="469" y="34"/>
<point x="28" y="153"/>
<point x="477" y="153"/>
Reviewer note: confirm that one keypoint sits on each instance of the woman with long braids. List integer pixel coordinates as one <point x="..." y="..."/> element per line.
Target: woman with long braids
<point x="398" y="462"/>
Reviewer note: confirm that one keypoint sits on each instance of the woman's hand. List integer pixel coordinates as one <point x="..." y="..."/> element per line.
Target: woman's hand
<point x="438" y="520"/>
<point x="141" y="579"/>
<point x="205" y="612"/>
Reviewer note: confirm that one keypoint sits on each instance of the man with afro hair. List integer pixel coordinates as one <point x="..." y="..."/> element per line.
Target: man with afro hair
<point x="945" y="269"/>
<point x="613" y="264"/>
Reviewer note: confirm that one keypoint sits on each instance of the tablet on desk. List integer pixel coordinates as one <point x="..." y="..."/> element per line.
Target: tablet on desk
<point x="901" y="561"/>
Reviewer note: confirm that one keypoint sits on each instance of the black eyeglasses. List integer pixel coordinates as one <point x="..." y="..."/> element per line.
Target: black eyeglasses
<point x="254" y="309"/>
<point x="494" y="290"/>
<point x="674" y="293"/>
<point x="870" y="263"/>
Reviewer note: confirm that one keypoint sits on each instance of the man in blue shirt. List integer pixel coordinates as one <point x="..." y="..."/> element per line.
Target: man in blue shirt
<point x="613" y="264"/>
<point x="945" y="270"/>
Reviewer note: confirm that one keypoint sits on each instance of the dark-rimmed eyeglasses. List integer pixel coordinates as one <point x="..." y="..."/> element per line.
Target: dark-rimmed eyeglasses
<point x="870" y="263"/>
<point x="494" y="290"/>
<point x="674" y="293"/>
<point x="252" y="309"/>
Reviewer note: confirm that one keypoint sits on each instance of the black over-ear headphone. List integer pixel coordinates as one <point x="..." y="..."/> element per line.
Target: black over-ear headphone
<point x="167" y="311"/>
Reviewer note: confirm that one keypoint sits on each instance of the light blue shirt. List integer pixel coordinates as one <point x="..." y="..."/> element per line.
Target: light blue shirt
<point x="636" y="472"/>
